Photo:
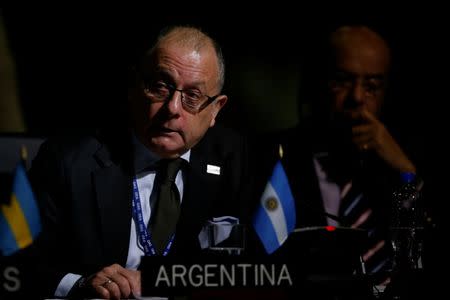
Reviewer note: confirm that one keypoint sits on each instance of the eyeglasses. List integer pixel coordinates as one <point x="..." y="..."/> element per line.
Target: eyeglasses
<point x="192" y="100"/>
<point x="371" y="85"/>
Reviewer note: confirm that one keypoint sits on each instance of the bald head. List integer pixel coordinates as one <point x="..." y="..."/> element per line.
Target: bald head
<point x="360" y="43"/>
<point x="192" y="38"/>
<point x="184" y="37"/>
<point x="358" y="67"/>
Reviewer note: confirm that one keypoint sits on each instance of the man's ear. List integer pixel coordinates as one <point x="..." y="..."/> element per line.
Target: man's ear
<point x="217" y="106"/>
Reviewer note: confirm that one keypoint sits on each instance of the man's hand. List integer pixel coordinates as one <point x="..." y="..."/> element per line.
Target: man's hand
<point x="371" y="134"/>
<point x="115" y="282"/>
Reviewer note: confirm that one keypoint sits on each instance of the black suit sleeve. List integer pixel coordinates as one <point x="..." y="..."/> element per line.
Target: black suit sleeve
<point x="46" y="177"/>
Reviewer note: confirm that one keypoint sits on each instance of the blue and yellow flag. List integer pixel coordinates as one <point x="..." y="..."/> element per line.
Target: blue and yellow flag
<point x="20" y="222"/>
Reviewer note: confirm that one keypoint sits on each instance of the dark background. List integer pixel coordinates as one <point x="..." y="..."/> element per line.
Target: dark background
<point x="71" y="62"/>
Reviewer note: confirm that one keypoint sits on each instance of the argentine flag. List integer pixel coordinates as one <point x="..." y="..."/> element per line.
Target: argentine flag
<point x="20" y="221"/>
<point x="275" y="216"/>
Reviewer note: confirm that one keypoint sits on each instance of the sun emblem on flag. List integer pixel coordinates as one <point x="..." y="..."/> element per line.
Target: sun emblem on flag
<point x="271" y="203"/>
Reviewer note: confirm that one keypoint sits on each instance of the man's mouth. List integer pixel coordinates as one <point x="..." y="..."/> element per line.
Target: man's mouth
<point x="168" y="130"/>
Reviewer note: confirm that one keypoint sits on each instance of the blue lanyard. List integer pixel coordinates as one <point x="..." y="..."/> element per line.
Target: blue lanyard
<point x="144" y="235"/>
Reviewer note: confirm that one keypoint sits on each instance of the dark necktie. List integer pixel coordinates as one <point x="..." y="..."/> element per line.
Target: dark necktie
<point x="167" y="209"/>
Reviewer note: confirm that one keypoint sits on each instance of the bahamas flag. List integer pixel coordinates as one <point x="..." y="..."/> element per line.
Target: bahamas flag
<point x="275" y="216"/>
<point x="19" y="219"/>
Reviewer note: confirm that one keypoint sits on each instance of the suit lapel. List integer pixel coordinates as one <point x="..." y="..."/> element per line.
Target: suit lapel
<point x="197" y="204"/>
<point x="113" y="187"/>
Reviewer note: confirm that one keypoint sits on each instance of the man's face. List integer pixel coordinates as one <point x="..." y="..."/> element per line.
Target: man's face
<point x="358" y="81"/>
<point x="166" y="127"/>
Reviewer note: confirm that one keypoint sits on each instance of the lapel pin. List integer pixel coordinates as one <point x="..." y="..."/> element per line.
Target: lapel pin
<point x="211" y="169"/>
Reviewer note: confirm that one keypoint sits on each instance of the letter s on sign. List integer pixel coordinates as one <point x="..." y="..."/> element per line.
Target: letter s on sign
<point x="12" y="281"/>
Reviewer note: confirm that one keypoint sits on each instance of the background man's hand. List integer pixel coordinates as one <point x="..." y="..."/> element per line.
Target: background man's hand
<point x="371" y="134"/>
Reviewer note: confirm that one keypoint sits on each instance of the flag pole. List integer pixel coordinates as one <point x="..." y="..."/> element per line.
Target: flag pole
<point x="24" y="156"/>
<point x="280" y="151"/>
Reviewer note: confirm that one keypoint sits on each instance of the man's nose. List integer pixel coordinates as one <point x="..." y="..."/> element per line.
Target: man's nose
<point x="358" y="93"/>
<point x="174" y="102"/>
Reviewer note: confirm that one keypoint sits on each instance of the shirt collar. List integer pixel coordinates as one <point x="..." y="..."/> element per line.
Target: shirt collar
<point x="320" y="160"/>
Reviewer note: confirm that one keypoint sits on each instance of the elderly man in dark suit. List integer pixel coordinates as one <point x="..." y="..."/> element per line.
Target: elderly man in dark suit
<point x="343" y="163"/>
<point x="99" y="194"/>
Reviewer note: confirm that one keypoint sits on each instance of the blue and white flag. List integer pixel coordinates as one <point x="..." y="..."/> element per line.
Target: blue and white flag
<point x="275" y="216"/>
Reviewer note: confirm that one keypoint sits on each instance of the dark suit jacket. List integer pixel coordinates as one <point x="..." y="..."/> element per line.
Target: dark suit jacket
<point x="84" y="190"/>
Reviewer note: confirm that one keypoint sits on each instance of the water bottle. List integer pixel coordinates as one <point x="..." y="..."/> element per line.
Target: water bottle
<point x="407" y="225"/>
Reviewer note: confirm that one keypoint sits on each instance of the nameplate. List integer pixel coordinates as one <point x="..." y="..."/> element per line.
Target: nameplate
<point x="168" y="276"/>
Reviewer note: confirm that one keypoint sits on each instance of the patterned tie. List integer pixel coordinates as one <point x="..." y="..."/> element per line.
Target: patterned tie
<point x="167" y="208"/>
<point x="356" y="211"/>
<point x="354" y="208"/>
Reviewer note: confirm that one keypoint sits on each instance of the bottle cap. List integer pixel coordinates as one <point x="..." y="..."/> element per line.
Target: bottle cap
<point x="407" y="177"/>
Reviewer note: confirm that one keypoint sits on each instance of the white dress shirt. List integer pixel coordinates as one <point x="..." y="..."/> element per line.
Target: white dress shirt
<point x="145" y="182"/>
<point x="330" y="190"/>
